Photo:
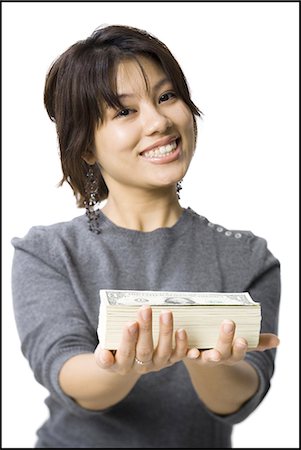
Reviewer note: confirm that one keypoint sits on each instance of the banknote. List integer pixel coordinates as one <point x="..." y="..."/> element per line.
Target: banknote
<point x="174" y="298"/>
<point x="199" y="313"/>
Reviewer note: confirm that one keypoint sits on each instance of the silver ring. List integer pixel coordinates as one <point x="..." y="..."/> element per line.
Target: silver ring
<point x="142" y="363"/>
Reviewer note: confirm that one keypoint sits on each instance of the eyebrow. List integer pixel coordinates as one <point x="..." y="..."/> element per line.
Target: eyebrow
<point x="157" y="86"/>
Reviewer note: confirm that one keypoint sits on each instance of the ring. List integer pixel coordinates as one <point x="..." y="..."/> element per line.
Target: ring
<point x="142" y="363"/>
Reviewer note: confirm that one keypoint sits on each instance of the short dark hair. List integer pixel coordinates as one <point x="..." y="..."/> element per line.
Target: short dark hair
<point x="83" y="79"/>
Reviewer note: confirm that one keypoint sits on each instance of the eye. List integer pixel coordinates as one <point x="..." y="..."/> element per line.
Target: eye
<point x="124" y="112"/>
<point x="166" y="96"/>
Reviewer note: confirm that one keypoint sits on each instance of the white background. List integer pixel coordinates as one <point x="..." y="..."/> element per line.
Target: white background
<point x="241" y="62"/>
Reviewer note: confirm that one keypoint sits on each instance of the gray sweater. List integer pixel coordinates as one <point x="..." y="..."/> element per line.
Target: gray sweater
<point x="57" y="273"/>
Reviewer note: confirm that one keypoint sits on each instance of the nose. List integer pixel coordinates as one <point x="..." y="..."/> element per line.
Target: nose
<point x="154" y="120"/>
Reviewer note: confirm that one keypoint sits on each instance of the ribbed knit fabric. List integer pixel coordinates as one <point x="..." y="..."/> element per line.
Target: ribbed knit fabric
<point x="57" y="273"/>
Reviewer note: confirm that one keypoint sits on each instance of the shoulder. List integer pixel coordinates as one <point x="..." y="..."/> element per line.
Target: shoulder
<point x="221" y="233"/>
<point x="47" y="240"/>
<point x="237" y="245"/>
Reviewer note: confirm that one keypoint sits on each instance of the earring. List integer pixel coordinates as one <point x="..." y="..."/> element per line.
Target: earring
<point x="91" y="189"/>
<point x="178" y="188"/>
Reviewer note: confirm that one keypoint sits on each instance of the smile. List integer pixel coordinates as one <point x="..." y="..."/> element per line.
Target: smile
<point x="161" y="151"/>
<point x="163" y="154"/>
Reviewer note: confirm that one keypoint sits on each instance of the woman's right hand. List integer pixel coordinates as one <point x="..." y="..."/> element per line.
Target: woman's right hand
<point x="136" y="352"/>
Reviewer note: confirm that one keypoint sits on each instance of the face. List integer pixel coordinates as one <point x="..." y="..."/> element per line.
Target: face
<point x="149" y="143"/>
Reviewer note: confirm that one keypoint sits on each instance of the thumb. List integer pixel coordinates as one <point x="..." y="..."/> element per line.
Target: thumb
<point x="104" y="358"/>
<point x="267" y="341"/>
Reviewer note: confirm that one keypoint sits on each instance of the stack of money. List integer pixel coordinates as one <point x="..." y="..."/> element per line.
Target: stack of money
<point x="199" y="313"/>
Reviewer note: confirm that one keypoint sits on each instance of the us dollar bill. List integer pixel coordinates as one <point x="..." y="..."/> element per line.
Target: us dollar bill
<point x="174" y="298"/>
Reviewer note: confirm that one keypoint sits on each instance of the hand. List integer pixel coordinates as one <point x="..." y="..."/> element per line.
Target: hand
<point x="229" y="351"/>
<point x="137" y="346"/>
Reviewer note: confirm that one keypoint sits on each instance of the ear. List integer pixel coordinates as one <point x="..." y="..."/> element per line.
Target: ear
<point x="89" y="158"/>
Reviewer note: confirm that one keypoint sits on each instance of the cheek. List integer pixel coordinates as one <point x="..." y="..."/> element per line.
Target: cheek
<point x="106" y="143"/>
<point x="115" y="139"/>
<point x="188" y="128"/>
<point x="184" y="118"/>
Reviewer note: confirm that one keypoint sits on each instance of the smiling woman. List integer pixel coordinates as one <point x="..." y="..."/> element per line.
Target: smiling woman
<point x="127" y="131"/>
<point x="153" y="138"/>
<point x="98" y="79"/>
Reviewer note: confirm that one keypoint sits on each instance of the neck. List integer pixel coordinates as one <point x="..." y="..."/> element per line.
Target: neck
<point x="144" y="212"/>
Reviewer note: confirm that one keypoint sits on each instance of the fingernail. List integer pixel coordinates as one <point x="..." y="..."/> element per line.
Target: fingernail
<point x="181" y="334"/>
<point x="193" y="353"/>
<point x="102" y="358"/>
<point x="240" y="343"/>
<point x="228" y="327"/>
<point x="166" y="317"/>
<point x="145" y="312"/>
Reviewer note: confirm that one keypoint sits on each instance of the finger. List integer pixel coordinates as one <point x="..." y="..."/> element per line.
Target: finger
<point x="181" y="345"/>
<point x="211" y="356"/>
<point x="193" y="353"/>
<point x="104" y="358"/>
<point x="239" y="350"/>
<point x="266" y="342"/>
<point x="144" y="347"/>
<point x="225" y="338"/>
<point x="208" y="357"/>
<point x="126" y="351"/>
<point x="164" y="346"/>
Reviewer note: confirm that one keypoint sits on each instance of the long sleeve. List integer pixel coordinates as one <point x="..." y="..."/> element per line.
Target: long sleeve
<point x="52" y="325"/>
<point x="262" y="281"/>
<point x="57" y="273"/>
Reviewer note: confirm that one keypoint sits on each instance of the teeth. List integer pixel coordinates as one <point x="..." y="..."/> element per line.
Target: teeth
<point x="161" y="151"/>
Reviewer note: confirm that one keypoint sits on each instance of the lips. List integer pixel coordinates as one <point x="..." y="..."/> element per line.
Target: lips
<point x="160" y="143"/>
<point x="165" y="158"/>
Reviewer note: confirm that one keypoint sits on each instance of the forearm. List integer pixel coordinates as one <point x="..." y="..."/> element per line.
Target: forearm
<point x="223" y="388"/>
<point x="91" y="386"/>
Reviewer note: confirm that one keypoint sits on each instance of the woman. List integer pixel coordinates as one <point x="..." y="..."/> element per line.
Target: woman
<point x="127" y="133"/>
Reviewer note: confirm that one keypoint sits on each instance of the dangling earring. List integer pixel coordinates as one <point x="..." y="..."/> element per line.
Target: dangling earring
<point x="178" y="188"/>
<point x="91" y="189"/>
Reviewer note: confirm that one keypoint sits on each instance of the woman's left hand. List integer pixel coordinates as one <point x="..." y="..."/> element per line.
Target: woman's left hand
<point x="229" y="351"/>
